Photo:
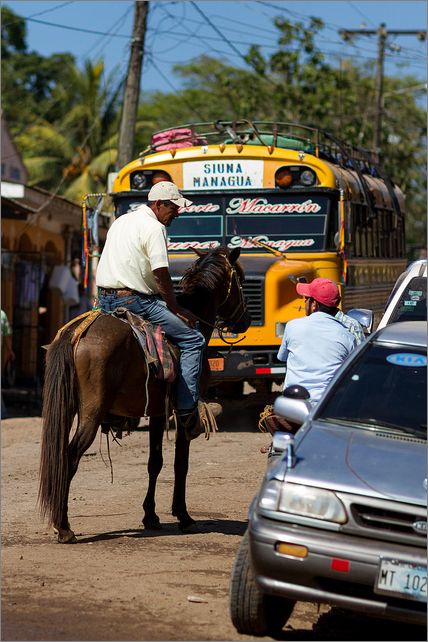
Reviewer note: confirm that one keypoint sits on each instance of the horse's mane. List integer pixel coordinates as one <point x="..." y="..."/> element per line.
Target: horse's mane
<point x="207" y="272"/>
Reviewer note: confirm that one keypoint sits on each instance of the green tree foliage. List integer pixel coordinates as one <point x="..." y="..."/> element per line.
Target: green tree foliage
<point x="28" y="79"/>
<point x="66" y="121"/>
<point x="295" y="84"/>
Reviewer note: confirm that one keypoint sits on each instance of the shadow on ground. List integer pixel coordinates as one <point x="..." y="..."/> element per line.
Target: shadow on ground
<point x="342" y="625"/>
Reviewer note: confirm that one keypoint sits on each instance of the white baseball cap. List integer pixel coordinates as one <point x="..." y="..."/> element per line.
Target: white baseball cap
<point x="167" y="191"/>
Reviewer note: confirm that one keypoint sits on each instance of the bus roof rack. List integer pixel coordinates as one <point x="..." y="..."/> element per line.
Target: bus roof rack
<point x="295" y="136"/>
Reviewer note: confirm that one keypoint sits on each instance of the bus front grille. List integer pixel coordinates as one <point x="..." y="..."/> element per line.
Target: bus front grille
<point x="254" y="295"/>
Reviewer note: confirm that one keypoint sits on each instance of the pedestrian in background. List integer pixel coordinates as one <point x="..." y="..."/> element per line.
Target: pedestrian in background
<point x="7" y="353"/>
<point x="315" y="346"/>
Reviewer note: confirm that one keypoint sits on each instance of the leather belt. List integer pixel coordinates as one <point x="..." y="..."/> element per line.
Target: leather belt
<point x="117" y="291"/>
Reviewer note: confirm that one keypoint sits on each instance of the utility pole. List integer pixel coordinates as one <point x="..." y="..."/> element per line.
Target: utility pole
<point x="132" y="88"/>
<point x="382" y="33"/>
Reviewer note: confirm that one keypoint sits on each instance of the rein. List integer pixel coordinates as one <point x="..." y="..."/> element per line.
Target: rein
<point x="220" y="326"/>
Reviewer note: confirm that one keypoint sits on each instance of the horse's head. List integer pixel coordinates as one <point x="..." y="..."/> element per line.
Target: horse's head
<point x="219" y="272"/>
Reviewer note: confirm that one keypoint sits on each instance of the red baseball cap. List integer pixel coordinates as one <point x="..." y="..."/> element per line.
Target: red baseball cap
<point x="322" y="290"/>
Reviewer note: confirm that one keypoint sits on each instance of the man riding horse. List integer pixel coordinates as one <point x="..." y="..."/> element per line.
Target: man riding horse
<point x="133" y="273"/>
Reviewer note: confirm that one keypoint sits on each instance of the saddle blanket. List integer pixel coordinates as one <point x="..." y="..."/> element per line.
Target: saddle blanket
<point x="161" y="356"/>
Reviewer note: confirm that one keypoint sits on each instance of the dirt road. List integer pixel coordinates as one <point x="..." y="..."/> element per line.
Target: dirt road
<point x="120" y="582"/>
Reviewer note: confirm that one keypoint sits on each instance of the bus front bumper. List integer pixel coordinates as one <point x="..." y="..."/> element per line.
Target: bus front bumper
<point x="242" y="364"/>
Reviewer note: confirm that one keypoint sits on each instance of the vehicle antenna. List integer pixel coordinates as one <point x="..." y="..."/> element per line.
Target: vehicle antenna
<point x="267" y="247"/>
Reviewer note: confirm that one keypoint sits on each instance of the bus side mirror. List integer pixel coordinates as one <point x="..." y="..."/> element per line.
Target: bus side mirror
<point x="364" y="317"/>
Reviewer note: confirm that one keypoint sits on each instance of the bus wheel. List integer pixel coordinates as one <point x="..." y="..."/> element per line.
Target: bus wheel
<point x="231" y="389"/>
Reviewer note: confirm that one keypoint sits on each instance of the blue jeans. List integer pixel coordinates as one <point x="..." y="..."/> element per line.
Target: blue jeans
<point x="190" y="341"/>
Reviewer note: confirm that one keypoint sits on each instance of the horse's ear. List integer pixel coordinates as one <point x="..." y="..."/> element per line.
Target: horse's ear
<point x="234" y="255"/>
<point x="200" y="253"/>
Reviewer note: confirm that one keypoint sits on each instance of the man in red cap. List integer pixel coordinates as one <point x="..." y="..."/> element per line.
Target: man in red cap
<point x="316" y="345"/>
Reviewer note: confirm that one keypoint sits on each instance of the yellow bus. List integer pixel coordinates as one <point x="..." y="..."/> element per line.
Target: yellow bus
<point x="299" y="202"/>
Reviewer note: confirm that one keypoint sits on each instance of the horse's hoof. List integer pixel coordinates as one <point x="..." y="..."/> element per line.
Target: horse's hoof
<point x="66" y="537"/>
<point x="152" y="524"/>
<point x="188" y="526"/>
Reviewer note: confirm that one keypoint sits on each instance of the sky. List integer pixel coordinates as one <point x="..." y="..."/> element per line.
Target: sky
<point x="181" y="31"/>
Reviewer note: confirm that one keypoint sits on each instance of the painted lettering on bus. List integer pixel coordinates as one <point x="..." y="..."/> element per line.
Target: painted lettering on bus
<point x="199" y="209"/>
<point x="187" y="245"/>
<point x="222" y="181"/>
<point x="279" y="244"/>
<point x="261" y="206"/>
<point x="222" y="168"/>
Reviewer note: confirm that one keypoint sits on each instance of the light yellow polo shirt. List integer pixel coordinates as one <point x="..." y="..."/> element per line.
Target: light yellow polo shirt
<point x="136" y="245"/>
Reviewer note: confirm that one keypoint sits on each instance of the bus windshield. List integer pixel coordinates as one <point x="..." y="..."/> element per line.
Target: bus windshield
<point x="284" y="221"/>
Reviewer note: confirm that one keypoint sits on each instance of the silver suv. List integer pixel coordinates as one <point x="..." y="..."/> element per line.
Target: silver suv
<point x="340" y="517"/>
<point x="408" y="299"/>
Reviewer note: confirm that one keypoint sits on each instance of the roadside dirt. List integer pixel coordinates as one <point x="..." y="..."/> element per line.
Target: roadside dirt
<point x="121" y="582"/>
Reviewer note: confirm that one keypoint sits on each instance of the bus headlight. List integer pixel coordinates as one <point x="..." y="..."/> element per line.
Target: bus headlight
<point x="279" y="329"/>
<point x="283" y="177"/>
<point x="138" y="180"/>
<point x="309" y="501"/>
<point x="308" y="178"/>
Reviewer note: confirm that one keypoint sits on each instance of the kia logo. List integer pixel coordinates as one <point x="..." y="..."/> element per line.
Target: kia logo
<point x="420" y="527"/>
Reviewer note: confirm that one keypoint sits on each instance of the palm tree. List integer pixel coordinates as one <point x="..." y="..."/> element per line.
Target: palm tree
<point x="76" y="152"/>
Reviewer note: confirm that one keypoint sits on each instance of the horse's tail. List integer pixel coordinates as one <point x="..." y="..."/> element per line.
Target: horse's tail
<point x="60" y="404"/>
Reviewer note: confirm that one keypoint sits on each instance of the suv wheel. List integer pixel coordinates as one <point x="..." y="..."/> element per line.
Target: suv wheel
<point x="252" y="611"/>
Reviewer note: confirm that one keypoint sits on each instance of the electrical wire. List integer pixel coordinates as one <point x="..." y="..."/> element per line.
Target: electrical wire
<point x="39" y="13"/>
<point x="368" y="21"/>
<point x="176" y="91"/>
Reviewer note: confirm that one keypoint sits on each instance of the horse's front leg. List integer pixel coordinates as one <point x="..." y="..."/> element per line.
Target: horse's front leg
<point x="181" y="466"/>
<point x="154" y="466"/>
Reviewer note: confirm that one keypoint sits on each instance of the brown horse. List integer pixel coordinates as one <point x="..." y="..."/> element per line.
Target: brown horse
<point x="106" y="375"/>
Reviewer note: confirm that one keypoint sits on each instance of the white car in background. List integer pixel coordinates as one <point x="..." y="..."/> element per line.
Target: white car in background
<point x="408" y="299"/>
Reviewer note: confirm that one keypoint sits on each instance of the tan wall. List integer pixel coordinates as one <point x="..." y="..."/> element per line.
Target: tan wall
<point x="22" y="240"/>
<point x="12" y="232"/>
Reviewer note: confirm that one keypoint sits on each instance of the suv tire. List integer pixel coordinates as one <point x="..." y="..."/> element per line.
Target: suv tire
<point x="253" y="612"/>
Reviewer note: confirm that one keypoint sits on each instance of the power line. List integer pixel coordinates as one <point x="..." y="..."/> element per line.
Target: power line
<point x="58" y="6"/>
<point x="175" y="90"/>
<point x="222" y="36"/>
<point x="358" y="10"/>
<point x="382" y="33"/>
<point x="79" y="29"/>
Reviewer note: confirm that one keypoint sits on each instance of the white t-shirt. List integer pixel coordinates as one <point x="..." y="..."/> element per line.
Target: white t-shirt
<point x="135" y="246"/>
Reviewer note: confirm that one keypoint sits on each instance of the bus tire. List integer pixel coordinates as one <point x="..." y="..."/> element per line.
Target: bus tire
<point x="231" y="389"/>
<point x="252" y="612"/>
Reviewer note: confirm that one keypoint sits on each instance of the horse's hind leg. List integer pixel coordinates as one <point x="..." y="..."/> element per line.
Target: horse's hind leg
<point x="154" y="466"/>
<point x="181" y="466"/>
<point x="82" y="440"/>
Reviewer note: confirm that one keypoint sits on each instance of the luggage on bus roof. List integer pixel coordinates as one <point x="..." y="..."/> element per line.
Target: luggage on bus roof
<point x="283" y="142"/>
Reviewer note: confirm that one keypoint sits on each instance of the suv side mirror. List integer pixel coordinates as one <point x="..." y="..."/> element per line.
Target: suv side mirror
<point x="293" y="404"/>
<point x="364" y="317"/>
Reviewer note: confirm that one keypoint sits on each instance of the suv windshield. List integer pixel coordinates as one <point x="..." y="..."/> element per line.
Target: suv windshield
<point x="384" y="387"/>
<point x="412" y="304"/>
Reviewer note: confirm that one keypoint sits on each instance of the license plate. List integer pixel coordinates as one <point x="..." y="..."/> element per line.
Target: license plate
<point x="402" y="579"/>
<point x="227" y="335"/>
<point x="217" y="364"/>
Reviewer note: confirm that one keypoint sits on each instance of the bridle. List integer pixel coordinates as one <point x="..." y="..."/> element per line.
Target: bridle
<point x="239" y="309"/>
<point x="221" y="326"/>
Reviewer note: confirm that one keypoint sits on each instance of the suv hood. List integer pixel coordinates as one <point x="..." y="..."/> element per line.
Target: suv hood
<point x="359" y="461"/>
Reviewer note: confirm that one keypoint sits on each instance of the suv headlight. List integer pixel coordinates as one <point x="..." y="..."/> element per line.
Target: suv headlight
<point x="269" y="495"/>
<point x="309" y="501"/>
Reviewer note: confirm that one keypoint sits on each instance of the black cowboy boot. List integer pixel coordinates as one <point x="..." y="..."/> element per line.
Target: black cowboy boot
<point x="191" y="422"/>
